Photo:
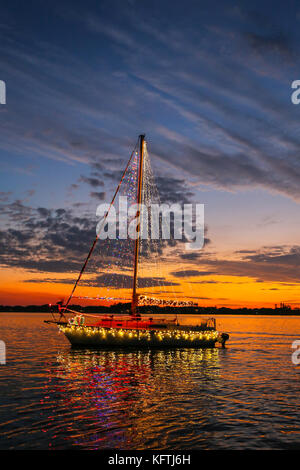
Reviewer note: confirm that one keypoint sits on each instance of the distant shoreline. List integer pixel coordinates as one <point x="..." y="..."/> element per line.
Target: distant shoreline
<point x="124" y="309"/>
<point x="238" y="314"/>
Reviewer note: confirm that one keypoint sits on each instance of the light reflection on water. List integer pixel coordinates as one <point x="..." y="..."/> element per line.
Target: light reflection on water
<point x="128" y="395"/>
<point x="246" y="396"/>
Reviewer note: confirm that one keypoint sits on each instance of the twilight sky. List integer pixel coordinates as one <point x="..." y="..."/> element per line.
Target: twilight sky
<point x="209" y="82"/>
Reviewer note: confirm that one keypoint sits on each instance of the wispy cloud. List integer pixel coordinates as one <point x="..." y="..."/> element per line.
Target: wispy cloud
<point x="280" y="264"/>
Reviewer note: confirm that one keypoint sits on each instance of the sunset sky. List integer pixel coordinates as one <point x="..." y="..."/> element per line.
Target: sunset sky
<point x="209" y="82"/>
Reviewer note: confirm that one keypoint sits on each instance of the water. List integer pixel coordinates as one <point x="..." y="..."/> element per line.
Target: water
<point x="244" y="397"/>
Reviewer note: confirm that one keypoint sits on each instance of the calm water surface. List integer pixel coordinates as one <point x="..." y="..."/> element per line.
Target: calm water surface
<point x="244" y="397"/>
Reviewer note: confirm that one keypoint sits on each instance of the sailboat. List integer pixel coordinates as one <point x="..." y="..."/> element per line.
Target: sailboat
<point x="136" y="328"/>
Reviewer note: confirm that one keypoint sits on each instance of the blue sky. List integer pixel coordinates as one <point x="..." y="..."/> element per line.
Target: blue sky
<point x="209" y="82"/>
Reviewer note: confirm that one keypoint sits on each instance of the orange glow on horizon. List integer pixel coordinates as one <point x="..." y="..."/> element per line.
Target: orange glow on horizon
<point x="229" y="291"/>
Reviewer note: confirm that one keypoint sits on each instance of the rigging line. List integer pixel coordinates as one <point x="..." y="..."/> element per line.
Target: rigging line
<point x="97" y="237"/>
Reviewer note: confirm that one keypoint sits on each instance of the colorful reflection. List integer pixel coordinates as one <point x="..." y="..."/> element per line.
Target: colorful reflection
<point x="124" y="400"/>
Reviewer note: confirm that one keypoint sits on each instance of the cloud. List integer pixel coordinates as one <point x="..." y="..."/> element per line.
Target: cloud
<point x="277" y="43"/>
<point x="50" y="281"/>
<point x="58" y="240"/>
<point x="192" y="272"/>
<point x="94" y="182"/>
<point x="98" y="195"/>
<point x="46" y="240"/>
<point x="213" y="97"/>
<point x="5" y="195"/>
<point x="173" y="190"/>
<point x="124" y="281"/>
<point x="231" y="126"/>
<point x="279" y="264"/>
<point x="108" y="280"/>
<point x="43" y="212"/>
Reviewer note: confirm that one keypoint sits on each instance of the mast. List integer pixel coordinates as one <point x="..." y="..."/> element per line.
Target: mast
<point x="134" y="302"/>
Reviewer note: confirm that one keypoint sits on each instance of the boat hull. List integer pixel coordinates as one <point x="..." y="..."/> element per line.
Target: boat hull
<point x="99" y="337"/>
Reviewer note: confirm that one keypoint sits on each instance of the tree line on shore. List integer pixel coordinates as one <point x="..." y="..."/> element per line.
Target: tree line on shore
<point x="123" y="308"/>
